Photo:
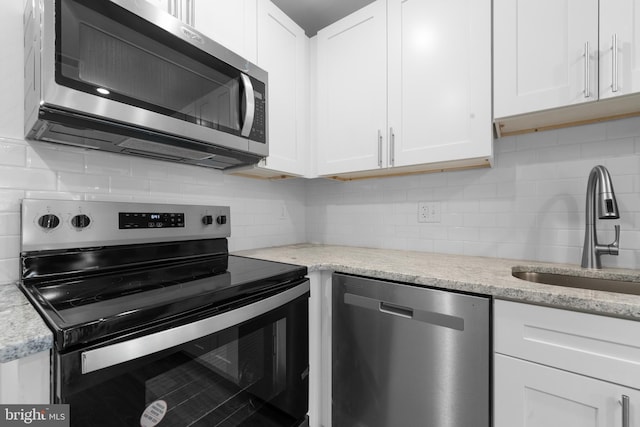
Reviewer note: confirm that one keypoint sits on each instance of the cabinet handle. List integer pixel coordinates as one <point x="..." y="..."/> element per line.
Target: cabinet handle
<point x="586" y="70"/>
<point x="614" y="65"/>
<point x="189" y="13"/>
<point x="379" y="148"/>
<point x="625" y="411"/>
<point x="392" y="146"/>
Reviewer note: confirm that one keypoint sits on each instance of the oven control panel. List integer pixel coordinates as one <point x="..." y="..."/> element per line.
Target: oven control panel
<point x="150" y="219"/>
<point x="62" y="224"/>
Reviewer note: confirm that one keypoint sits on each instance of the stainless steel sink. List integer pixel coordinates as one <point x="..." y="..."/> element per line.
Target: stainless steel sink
<point x="598" y="284"/>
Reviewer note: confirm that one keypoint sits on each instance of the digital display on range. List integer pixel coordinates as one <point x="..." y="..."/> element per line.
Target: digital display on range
<point x="129" y="220"/>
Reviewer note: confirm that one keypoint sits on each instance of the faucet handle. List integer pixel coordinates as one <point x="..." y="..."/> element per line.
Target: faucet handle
<point x="615" y="246"/>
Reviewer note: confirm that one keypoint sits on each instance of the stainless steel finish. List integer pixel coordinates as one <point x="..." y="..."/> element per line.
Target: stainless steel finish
<point x="104" y="357"/>
<point x="379" y="148"/>
<point x="587" y="88"/>
<point x="405" y="355"/>
<point x="599" y="178"/>
<point x="174" y="9"/>
<point x="190" y="13"/>
<point x="104" y="226"/>
<point x="392" y="147"/>
<point x="408" y="312"/>
<point x="45" y="92"/>
<point x="593" y="283"/>
<point x="614" y="60"/>
<point x="250" y="105"/>
<point x="625" y="411"/>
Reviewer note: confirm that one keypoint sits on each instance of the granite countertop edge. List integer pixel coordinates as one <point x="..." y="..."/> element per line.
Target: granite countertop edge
<point x="477" y="275"/>
<point x="24" y="332"/>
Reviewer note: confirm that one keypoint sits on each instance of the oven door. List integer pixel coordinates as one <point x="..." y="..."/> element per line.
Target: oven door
<point x="132" y="63"/>
<point x="202" y="373"/>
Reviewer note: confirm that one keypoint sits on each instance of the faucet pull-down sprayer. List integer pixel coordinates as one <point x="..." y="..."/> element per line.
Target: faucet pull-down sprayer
<point x="607" y="209"/>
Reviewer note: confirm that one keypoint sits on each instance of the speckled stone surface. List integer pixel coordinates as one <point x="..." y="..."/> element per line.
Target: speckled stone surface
<point x="23" y="331"/>
<point x="488" y="276"/>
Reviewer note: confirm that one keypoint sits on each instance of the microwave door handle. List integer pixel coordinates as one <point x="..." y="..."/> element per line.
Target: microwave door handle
<point x="250" y="103"/>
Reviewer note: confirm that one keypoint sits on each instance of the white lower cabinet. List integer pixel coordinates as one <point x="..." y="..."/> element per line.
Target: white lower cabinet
<point x="532" y="395"/>
<point x="559" y="368"/>
<point x="26" y="380"/>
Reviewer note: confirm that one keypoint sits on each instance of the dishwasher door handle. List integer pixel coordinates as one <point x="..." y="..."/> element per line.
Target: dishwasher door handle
<point x="431" y="317"/>
<point x="396" y="310"/>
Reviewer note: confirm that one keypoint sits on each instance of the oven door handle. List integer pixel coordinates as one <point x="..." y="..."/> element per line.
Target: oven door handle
<point x="111" y="355"/>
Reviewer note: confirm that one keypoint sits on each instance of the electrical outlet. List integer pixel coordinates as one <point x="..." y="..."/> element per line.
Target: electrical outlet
<point x="429" y="212"/>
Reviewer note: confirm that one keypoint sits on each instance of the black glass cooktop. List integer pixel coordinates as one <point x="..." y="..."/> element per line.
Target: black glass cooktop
<point x="93" y="307"/>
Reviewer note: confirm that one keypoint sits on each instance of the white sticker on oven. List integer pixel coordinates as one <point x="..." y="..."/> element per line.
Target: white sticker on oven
<point x="153" y="414"/>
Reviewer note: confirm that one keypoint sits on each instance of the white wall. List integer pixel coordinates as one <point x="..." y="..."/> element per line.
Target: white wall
<point x="530" y="205"/>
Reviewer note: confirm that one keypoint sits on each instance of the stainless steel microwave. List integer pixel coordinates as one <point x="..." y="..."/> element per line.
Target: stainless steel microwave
<point x="125" y="76"/>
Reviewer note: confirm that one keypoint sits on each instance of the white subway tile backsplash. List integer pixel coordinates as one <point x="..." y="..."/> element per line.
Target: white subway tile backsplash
<point x="10" y="200"/>
<point x="622" y="128"/>
<point x="12" y="154"/>
<point x="9" y="246"/>
<point x="608" y="149"/>
<point x="9" y="270"/>
<point x="529" y="206"/>
<point x="44" y="156"/>
<point x="10" y="224"/>
<point x="129" y="185"/>
<point x="582" y="134"/>
<point x="100" y="163"/>
<point x="84" y="183"/>
<point x="27" y="179"/>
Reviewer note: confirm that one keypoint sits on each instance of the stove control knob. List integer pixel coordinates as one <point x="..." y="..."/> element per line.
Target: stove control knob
<point x="222" y="219"/>
<point x="49" y="221"/>
<point x="80" y="221"/>
<point x="207" y="220"/>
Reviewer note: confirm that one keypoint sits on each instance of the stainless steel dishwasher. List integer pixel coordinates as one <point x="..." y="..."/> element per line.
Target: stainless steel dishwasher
<point x="405" y="355"/>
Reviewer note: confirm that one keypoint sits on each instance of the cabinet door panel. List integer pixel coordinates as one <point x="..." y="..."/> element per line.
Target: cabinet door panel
<point x="282" y="52"/>
<point x="352" y="96"/>
<point x="619" y="24"/>
<point x="531" y="395"/>
<point x="539" y="54"/>
<point x="232" y="23"/>
<point x="439" y="80"/>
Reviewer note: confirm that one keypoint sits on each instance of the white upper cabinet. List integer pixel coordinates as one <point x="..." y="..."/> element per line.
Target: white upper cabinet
<point x="352" y="97"/>
<point x="557" y="53"/>
<point x="404" y="83"/>
<point x="545" y="54"/>
<point x="439" y="80"/>
<point x="283" y="50"/>
<point x="619" y="47"/>
<point x="232" y="23"/>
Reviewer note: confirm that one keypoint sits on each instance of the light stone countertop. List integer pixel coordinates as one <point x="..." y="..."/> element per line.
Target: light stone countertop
<point x="23" y="331"/>
<point x="488" y="276"/>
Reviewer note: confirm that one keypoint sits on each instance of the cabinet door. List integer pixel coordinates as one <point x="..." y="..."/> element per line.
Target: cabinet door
<point x="545" y="54"/>
<point x="530" y="395"/>
<point x="352" y="91"/>
<point x="439" y="80"/>
<point x="232" y="23"/>
<point x="283" y="53"/>
<point x="619" y="47"/>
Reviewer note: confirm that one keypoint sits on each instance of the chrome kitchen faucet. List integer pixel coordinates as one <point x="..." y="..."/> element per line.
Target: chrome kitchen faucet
<point x="599" y="178"/>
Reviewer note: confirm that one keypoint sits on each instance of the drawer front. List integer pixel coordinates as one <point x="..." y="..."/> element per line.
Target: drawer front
<point x="598" y="346"/>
